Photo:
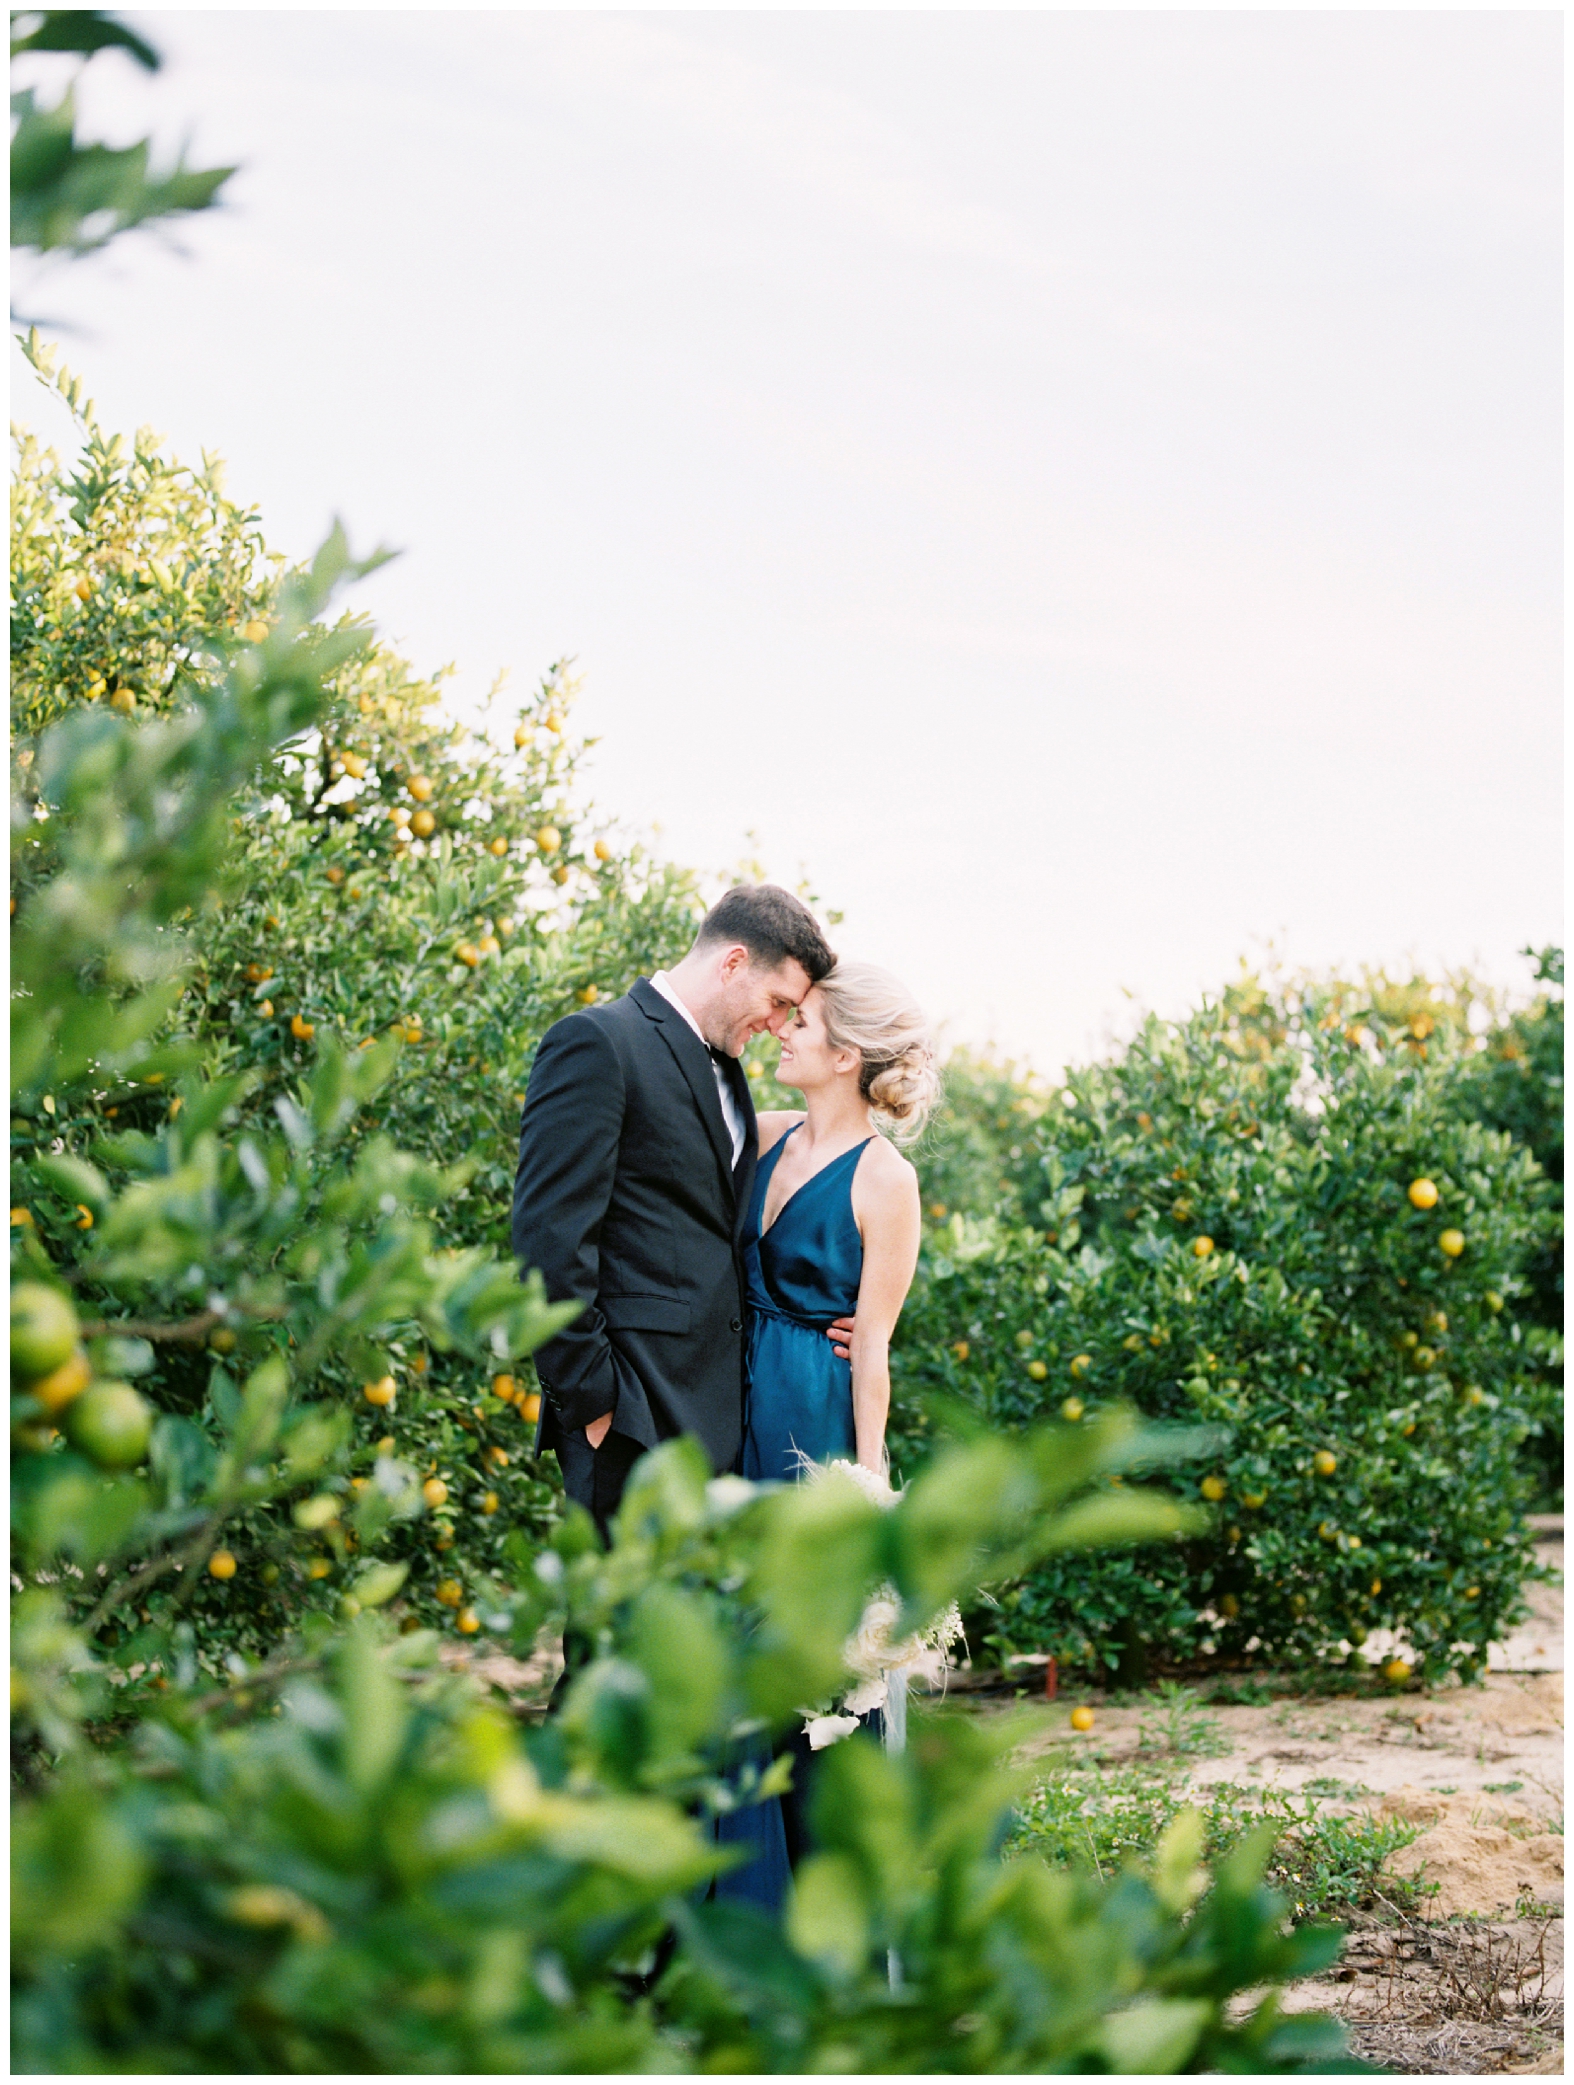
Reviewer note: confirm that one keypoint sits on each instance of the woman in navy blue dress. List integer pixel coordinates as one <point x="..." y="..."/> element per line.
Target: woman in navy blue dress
<point x="832" y="1232"/>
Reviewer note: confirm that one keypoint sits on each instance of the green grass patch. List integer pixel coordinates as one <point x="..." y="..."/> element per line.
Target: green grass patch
<point x="1104" y="1820"/>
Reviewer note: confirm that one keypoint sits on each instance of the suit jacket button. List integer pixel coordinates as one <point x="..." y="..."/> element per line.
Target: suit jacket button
<point x="737" y="1324"/>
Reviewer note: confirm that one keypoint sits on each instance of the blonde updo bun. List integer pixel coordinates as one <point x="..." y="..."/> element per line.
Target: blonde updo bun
<point x="868" y="1010"/>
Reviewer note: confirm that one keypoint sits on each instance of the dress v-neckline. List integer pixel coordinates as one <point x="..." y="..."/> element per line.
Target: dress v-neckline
<point x="767" y="1228"/>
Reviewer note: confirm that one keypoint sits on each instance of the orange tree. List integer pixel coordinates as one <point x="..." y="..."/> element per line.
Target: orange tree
<point x="397" y="886"/>
<point x="1277" y="1216"/>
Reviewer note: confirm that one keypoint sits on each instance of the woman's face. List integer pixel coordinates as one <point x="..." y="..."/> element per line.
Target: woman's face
<point x="807" y="1056"/>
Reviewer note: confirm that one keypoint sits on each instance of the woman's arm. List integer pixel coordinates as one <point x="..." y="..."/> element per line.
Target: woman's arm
<point x="885" y="1204"/>
<point x="774" y="1124"/>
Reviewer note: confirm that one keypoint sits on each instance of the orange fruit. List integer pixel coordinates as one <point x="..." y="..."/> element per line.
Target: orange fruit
<point x="1082" y="1718"/>
<point x="254" y="632"/>
<point x="303" y="1031"/>
<point x="499" y="846"/>
<point x="490" y="1503"/>
<point x="549" y="839"/>
<point x="552" y="722"/>
<point x="587" y="995"/>
<point x="1324" y="1463"/>
<point x="468" y="954"/>
<point x="1081" y="1364"/>
<point x="221" y="1564"/>
<point x="319" y="1567"/>
<point x="961" y="1349"/>
<point x="258" y="973"/>
<point x="57" y="1389"/>
<point x="561" y="873"/>
<point x="1423" y="1194"/>
<point x="1452" y="1243"/>
<point x="435" y="1492"/>
<point x="1202" y="1247"/>
<point x="448" y="1592"/>
<point x="84" y="1215"/>
<point x="530" y="1407"/>
<point x="489" y="945"/>
<point x="382" y="1392"/>
<point x="468" y="1623"/>
<point x="1037" y="1370"/>
<point x="1396" y="1672"/>
<point x="603" y="852"/>
<point x="423" y="825"/>
<point x="336" y="874"/>
<point x="83" y="588"/>
<point x="1213" y="1488"/>
<point x="498" y="1458"/>
<point x="1254" y="1499"/>
<point x="504" y="1387"/>
<point x="20" y="1216"/>
<point x="521" y="734"/>
<point x="1073" y="1408"/>
<point x="420" y="787"/>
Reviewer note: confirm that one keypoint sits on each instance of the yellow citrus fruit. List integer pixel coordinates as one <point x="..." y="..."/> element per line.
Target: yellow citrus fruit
<point x="223" y="1340"/>
<point x="254" y="632"/>
<point x="1327" y="1532"/>
<point x="489" y="945"/>
<point x="1229" y="1607"/>
<point x="1081" y="1364"/>
<point x="1472" y="1592"/>
<point x="336" y="874"/>
<point x="1254" y="1499"/>
<point x="552" y="721"/>
<point x="1452" y="1243"/>
<point x="468" y="1623"/>
<point x="498" y="1458"/>
<point x="84" y="1216"/>
<point x="1082" y="1718"/>
<point x="1073" y="1408"/>
<point x="1213" y="1488"/>
<point x="1493" y="1301"/>
<point x="530" y="1407"/>
<point x="561" y="873"/>
<point x="1024" y="1340"/>
<point x="468" y="954"/>
<point x="961" y="1349"/>
<point x="420" y="787"/>
<point x="521" y="734"/>
<point x="603" y="852"/>
<point x="1376" y="1587"/>
<point x="1475" y="1394"/>
<point x="258" y="973"/>
<point x="448" y="1592"/>
<point x="57" y="1389"/>
<point x="1423" y="1194"/>
<point x="589" y="994"/>
<point x="1438" y="1322"/>
<point x="83" y="588"/>
<point x="319" y="1567"/>
<point x="1396" y="1672"/>
<point x="435" y="1492"/>
<point x="490" y="1503"/>
<point x="20" y="1216"/>
<point x="303" y="1031"/>
<point x="221" y="1564"/>
<point x="382" y="1392"/>
<point x="1202" y="1247"/>
<point x="549" y="839"/>
<point x="499" y="846"/>
<point x="504" y="1387"/>
<point x="1037" y="1370"/>
<point x="423" y="825"/>
<point x="354" y="765"/>
<point x="1324" y="1463"/>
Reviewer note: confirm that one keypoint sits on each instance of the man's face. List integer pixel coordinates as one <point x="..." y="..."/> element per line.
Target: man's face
<point x="752" y="999"/>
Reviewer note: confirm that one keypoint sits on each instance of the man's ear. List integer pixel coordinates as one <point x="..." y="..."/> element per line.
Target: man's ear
<point x="737" y="958"/>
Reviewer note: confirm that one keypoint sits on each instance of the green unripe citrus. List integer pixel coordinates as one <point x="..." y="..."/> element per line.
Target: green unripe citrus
<point x="43" y="1329"/>
<point x="111" y="1424"/>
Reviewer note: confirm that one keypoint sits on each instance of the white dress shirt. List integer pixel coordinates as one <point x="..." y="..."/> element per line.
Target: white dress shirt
<point x="731" y="1114"/>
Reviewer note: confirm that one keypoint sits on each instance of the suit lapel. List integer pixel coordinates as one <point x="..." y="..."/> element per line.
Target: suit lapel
<point x="694" y="1061"/>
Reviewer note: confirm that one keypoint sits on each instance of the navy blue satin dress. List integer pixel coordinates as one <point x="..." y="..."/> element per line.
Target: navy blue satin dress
<point x="803" y="1274"/>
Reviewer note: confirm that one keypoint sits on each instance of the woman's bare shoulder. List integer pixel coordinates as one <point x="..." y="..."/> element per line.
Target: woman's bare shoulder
<point x="883" y="1170"/>
<point x="774" y="1124"/>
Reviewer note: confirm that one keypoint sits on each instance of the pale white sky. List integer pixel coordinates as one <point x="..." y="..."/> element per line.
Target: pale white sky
<point x="1086" y="486"/>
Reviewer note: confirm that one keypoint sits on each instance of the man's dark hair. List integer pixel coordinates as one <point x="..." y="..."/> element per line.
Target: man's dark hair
<point x="772" y="925"/>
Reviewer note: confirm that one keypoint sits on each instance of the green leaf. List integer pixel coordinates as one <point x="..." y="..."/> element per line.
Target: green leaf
<point x="1155" y="2035"/>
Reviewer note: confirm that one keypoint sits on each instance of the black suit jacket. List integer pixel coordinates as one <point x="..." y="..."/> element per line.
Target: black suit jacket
<point x="626" y="1198"/>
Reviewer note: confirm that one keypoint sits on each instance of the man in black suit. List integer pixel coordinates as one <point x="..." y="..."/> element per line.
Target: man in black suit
<point x="636" y="1161"/>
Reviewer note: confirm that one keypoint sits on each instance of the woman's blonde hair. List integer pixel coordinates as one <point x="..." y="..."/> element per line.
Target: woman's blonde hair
<point x="868" y="1010"/>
